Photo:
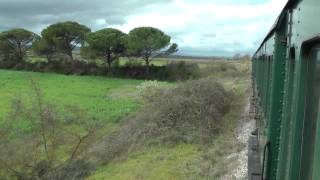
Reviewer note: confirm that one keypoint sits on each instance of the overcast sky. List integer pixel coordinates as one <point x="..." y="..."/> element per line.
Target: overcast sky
<point x="200" y="27"/>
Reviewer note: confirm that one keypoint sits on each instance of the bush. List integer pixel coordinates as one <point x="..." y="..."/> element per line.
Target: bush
<point x="62" y="64"/>
<point x="191" y="113"/>
<point x="180" y="71"/>
<point x="227" y="66"/>
<point x="133" y="63"/>
<point x="115" y="63"/>
<point x="149" y="89"/>
<point x="221" y="69"/>
<point x="73" y="170"/>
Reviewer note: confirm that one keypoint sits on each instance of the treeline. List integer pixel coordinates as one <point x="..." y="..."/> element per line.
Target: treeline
<point x="58" y="41"/>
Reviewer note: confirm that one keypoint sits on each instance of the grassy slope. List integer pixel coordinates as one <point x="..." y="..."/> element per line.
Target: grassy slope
<point x="101" y="98"/>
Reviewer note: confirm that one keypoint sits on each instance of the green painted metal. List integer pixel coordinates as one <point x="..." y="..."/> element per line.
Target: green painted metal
<point x="311" y="114"/>
<point x="268" y="85"/>
<point x="316" y="164"/>
<point x="276" y="103"/>
<point x="286" y="131"/>
<point x="294" y="135"/>
<point x="298" y="109"/>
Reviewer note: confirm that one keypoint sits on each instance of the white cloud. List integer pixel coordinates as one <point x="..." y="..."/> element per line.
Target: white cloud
<point x="214" y="27"/>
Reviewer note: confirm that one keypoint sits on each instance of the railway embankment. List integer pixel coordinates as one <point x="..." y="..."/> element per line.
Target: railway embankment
<point x="239" y="170"/>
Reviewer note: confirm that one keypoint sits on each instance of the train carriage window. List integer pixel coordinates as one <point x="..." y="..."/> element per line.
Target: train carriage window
<point x="311" y="113"/>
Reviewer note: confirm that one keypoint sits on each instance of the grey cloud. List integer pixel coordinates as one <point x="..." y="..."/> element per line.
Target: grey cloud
<point x="230" y="2"/>
<point x="35" y="14"/>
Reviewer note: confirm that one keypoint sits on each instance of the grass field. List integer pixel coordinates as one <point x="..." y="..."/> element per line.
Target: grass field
<point x="103" y="99"/>
<point x="154" y="163"/>
<point x="76" y="99"/>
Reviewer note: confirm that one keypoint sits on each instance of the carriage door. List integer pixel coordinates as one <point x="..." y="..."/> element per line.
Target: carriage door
<point x="310" y="113"/>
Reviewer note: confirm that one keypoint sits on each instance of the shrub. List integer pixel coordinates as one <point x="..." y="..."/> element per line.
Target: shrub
<point x="149" y="89"/>
<point x="133" y="63"/>
<point x="180" y="71"/>
<point x="221" y="69"/>
<point x="227" y="66"/>
<point x="73" y="170"/>
<point x="133" y="68"/>
<point x="116" y="63"/>
<point x="191" y="113"/>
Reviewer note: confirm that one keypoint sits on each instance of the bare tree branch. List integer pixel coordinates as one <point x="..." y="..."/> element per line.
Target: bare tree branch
<point x="37" y="91"/>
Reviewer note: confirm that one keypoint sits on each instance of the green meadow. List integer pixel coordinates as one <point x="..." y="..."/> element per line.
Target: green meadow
<point x="102" y="99"/>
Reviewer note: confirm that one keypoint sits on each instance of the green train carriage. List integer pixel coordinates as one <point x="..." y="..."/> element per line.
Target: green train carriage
<point x="286" y="82"/>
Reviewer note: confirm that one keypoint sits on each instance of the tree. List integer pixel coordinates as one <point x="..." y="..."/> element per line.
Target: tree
<point x="5" y="48"/>
<point x="106" y="43"/>
<point x="43" y="47"/>
<point x="172" y="49"/>
<point x="65" y="36"/>
<point x="149" y="42"/>
<point x="17" y="41"/>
